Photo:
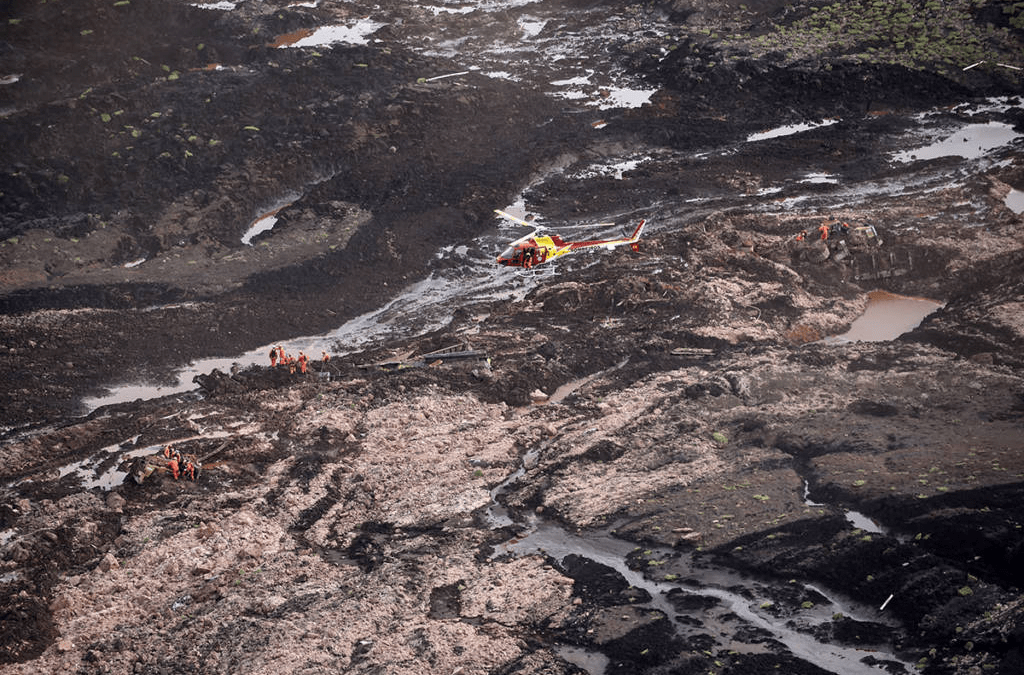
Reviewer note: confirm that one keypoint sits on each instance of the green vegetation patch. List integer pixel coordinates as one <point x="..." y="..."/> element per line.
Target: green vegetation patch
<point x="918" y="34"/>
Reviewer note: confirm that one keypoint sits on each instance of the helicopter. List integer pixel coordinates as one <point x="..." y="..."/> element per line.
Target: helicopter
<point x="535" y="249"/>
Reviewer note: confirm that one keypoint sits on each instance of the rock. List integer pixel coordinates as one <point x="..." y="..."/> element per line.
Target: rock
<point x="252" y="551"/>
<point x="201" y="570"/>
<point x="115" y="502"/>
<point x="109" y="562"/>
<point x="206" y="530"/>
<point x="60" y="602"/>
<point x="271" y="603"/>
<point x="538" y="396"/>
<point x="817" y="252"/>
<point x="65" y="645"/>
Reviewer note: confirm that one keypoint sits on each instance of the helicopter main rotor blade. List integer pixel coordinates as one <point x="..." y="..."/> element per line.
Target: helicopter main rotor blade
<point x="518" y="221"/>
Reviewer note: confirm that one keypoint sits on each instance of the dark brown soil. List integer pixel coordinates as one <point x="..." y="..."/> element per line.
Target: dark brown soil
<point x="160" y="131"/>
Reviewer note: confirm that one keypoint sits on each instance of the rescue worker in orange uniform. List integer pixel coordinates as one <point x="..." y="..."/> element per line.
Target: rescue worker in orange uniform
<point x="824" y="231"/>
<point x="273" y="356"/>
<point x="802" y="235"/>
<point x="302" y="363"/>
<point x="280" y="355"/>
<point x="174" y="467"/>
<point x="326" y="356"/>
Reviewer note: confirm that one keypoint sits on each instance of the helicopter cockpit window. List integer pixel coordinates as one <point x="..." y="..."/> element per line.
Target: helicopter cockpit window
<point x="508" y="253"/>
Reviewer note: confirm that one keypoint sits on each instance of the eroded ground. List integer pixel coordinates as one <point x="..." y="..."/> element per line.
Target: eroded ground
<point x="708" y="488"/>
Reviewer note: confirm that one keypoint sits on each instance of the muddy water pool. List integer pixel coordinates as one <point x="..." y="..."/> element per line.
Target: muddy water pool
<point x="887" y="317"/>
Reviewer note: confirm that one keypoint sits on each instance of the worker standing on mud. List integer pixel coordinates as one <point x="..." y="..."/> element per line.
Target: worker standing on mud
<point x="824" y="229"/>
<point x="190" y="468"/>
<point x="326" y="357"/>
<point x="273" y="356"/>
<point x="280" y="354"/>
<point x="174" y="465"/>
<point x="302" y="363"/>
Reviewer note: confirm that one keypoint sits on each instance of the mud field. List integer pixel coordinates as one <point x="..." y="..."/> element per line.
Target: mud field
<point x="735" y="451"/>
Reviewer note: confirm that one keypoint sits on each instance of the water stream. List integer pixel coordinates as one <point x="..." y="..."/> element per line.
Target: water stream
<point x="422" y="307"/>
<point x="739" y="602"/>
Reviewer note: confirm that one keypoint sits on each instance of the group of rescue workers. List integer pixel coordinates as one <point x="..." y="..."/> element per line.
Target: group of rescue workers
<point x="181" y="466"/>
<point x="825" y="230"/>
<point x="278" y="357"/>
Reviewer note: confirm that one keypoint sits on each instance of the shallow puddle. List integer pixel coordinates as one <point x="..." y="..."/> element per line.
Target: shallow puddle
<point x="222" y="6"/>
<point x="887" y="317"/>
<point x="326" y="36"/>
<point x="591" y="662"/>
<point x="263" y="223"/>
<point x="623" y="97"/>
<point x="855" y="518"/>
<point x="789" y="130"/>
<point x="1015" y="200"/>
<point x="970" y="142"/>
<point x="289" y="39"/>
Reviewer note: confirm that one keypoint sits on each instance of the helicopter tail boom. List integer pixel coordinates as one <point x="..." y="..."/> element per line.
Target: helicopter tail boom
<point x="639" y="230"/>
<point x="612" y="243"/>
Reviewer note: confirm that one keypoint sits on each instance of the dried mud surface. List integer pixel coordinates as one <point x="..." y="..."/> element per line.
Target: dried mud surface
<point x="679" y="399"/>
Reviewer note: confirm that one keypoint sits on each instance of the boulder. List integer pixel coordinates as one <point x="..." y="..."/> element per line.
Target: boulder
<point x="109" y="562"/>
<point x="115" y="502"/>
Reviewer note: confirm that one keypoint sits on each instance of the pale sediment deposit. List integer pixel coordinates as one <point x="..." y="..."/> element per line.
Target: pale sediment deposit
<point x="658" y="461"/>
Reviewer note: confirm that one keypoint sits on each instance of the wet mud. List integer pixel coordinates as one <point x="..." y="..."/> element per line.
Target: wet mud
<point x="664" y="461"/>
